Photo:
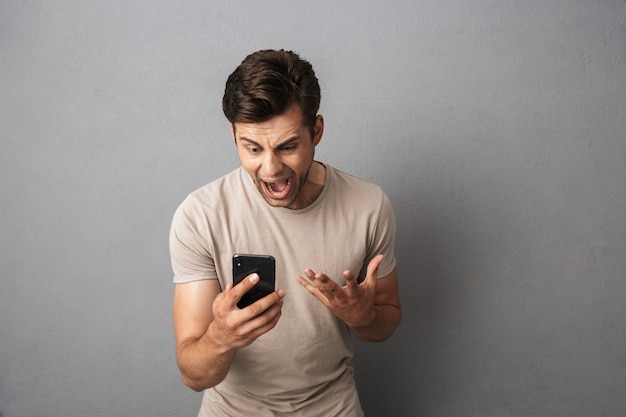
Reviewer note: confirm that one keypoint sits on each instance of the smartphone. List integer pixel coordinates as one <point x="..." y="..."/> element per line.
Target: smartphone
<point x="246" y="264"/>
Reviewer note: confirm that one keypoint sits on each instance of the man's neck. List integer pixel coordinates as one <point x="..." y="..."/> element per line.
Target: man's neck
<point x="314" y="184"/>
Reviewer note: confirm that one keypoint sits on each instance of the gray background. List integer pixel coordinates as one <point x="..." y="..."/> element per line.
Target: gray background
<point x="496" y="127"/>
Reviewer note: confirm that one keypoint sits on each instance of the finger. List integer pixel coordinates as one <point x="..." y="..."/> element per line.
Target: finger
<point x="329" y="288"/>
<point x="319" y="280"/>
<point x="312" y="289"/>
<point x="261" y="323"/>
<point x="351" y="281"/>
<point x="263" y="304"/>
<point x="306" y="284"/>
<point x="322" y="278"/>
<point x="241" y="288"/>
<point x="372" y="268"/>
<point x="310" y="283"/>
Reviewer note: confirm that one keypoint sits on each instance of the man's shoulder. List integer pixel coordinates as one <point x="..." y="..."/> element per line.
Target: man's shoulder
<point x="216" y="192"/>
<point x="221" y="184"/>
<point x="350" y="184"/>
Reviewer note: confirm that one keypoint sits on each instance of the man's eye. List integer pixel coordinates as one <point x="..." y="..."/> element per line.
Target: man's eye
<point x="288" y="148"/>
<point x="254" y="150"/>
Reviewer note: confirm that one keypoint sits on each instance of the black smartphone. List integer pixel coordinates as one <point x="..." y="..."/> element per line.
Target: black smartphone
<point x="246" y="264"/>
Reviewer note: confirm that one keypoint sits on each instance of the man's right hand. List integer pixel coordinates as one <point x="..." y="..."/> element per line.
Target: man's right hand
<point x="209" y="327"/>
<point x="232" y="327"/>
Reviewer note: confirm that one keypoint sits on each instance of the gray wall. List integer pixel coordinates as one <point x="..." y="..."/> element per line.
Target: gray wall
<point x="496" y="127"/>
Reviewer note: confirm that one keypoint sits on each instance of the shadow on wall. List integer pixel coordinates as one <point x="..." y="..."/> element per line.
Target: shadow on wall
<point x="413" y="371"/>
<point x="397" y="376"/>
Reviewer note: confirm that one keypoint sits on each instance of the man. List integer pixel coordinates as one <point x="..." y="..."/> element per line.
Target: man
<point x="332" y="235"/>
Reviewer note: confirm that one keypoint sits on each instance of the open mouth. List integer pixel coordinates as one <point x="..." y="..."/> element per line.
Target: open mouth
<point x="278" y="189"/>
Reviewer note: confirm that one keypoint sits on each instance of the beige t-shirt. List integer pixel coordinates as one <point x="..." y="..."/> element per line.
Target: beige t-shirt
<point x="302" y="367"/>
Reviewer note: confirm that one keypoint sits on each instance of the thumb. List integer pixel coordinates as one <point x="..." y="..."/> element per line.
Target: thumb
<point x="372" y="267"/>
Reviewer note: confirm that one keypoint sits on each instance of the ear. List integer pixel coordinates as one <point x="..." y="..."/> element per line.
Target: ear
<point x="318" y="130"/>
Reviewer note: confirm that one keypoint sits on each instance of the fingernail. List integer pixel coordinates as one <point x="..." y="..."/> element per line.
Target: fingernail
<point x="254" y="278"/>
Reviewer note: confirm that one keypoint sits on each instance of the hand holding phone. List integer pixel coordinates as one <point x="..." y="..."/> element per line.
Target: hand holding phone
<point x="264" y="266"/>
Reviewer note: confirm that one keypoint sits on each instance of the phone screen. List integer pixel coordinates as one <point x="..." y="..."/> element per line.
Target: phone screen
<point x="246" y="264"/>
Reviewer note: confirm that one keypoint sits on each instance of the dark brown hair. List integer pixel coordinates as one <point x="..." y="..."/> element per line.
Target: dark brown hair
<point x="267" y="83"/>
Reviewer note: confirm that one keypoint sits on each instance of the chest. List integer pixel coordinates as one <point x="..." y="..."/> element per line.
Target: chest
<point x="325" y="241"/>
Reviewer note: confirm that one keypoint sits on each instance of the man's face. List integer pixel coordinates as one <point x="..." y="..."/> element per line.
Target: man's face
<point x="278" y="154"/>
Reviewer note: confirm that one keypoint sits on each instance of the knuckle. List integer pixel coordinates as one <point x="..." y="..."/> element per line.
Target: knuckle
<point x="233" y="295"/>
<point x="255" y="309"/>
<point x="232" y="326"/>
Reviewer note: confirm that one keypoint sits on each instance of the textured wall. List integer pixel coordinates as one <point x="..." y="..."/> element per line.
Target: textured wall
<point x="497" y="128"/>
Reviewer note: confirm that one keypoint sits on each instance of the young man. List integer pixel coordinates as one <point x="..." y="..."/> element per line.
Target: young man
<point x="332" y="235"/>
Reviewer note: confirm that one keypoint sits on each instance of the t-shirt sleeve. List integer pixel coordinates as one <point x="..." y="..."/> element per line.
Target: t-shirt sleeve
<point x="382" y="240"/>
<point x="190" y="251"/>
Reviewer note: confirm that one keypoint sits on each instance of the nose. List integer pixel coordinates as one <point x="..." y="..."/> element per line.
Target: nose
<point x="272" y="165"/>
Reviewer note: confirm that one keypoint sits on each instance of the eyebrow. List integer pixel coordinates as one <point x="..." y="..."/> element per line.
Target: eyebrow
<point x="280" y="145"/>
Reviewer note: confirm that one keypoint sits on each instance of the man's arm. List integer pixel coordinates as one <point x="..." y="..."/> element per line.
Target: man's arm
<point x="209" y="327"/>
<point x="387" y="312"/>
<point x="371" y="309"/>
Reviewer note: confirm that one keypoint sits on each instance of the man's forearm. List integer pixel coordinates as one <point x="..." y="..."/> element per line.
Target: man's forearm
<point x="386" y="319"/>
<point x="202" y="363"/>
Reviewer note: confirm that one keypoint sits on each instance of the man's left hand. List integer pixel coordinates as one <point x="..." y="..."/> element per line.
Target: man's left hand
<point x="352" y="303"/>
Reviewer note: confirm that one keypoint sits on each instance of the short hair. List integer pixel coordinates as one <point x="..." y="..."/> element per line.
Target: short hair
<point x="267" y="83"/>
